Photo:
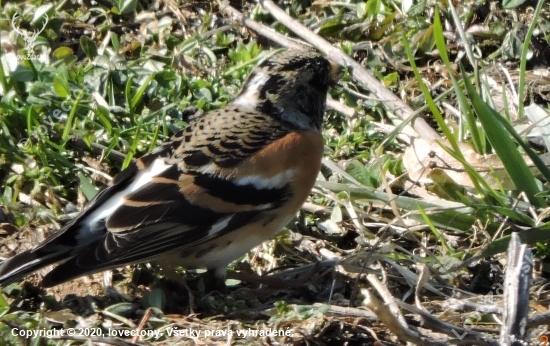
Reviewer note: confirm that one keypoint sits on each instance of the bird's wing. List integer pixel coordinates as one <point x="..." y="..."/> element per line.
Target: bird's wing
<point x="184" y="193"/>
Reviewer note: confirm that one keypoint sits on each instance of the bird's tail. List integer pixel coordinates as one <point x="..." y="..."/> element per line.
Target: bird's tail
<point x="25" y="263"/>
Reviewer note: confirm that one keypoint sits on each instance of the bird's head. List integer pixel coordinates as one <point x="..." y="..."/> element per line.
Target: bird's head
<point x="291" y="86"/>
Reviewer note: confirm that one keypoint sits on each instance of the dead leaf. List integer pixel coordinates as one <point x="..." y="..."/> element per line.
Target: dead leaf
<point x="423" y="156"/>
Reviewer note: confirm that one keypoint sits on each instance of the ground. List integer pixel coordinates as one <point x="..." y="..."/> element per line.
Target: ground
<point x="404" y="239"/>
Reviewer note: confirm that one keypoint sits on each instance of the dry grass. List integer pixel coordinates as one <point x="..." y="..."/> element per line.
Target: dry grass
<point x="380" y="254"/>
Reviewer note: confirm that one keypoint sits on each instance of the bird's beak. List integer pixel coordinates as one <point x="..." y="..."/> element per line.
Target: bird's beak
<point x="336" y="73"/>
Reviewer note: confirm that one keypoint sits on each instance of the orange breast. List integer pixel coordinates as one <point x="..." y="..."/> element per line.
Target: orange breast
<point x="301" y="151"/>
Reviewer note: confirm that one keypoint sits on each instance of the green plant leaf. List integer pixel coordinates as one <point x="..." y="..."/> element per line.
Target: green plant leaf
<point x="88" y="189"/>
<point x="88" y="46"/>
<point x="529" y="236"/>
<point x="62" y="52"/>
<point x="499" y="137"/>
<point x="358" y="171"/>
<point x="22" y="74"/>
<point x="512" y="3"/>
<point x="4" y="305"/>
<point x="154" y="299"/>
<point x="61" y="86"/>
<point x="125" y="6"/>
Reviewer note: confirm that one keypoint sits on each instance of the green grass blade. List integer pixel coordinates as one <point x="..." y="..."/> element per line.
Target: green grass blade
<point x="435" y="231"/>
<point x="141" y="90"/>
<point x="499" y="137"/>
<point x="71" y="117"/>
<point x="477" y="138"/>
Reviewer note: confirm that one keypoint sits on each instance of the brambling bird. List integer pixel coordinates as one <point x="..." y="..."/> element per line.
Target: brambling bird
<point x="224" y="184"/>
